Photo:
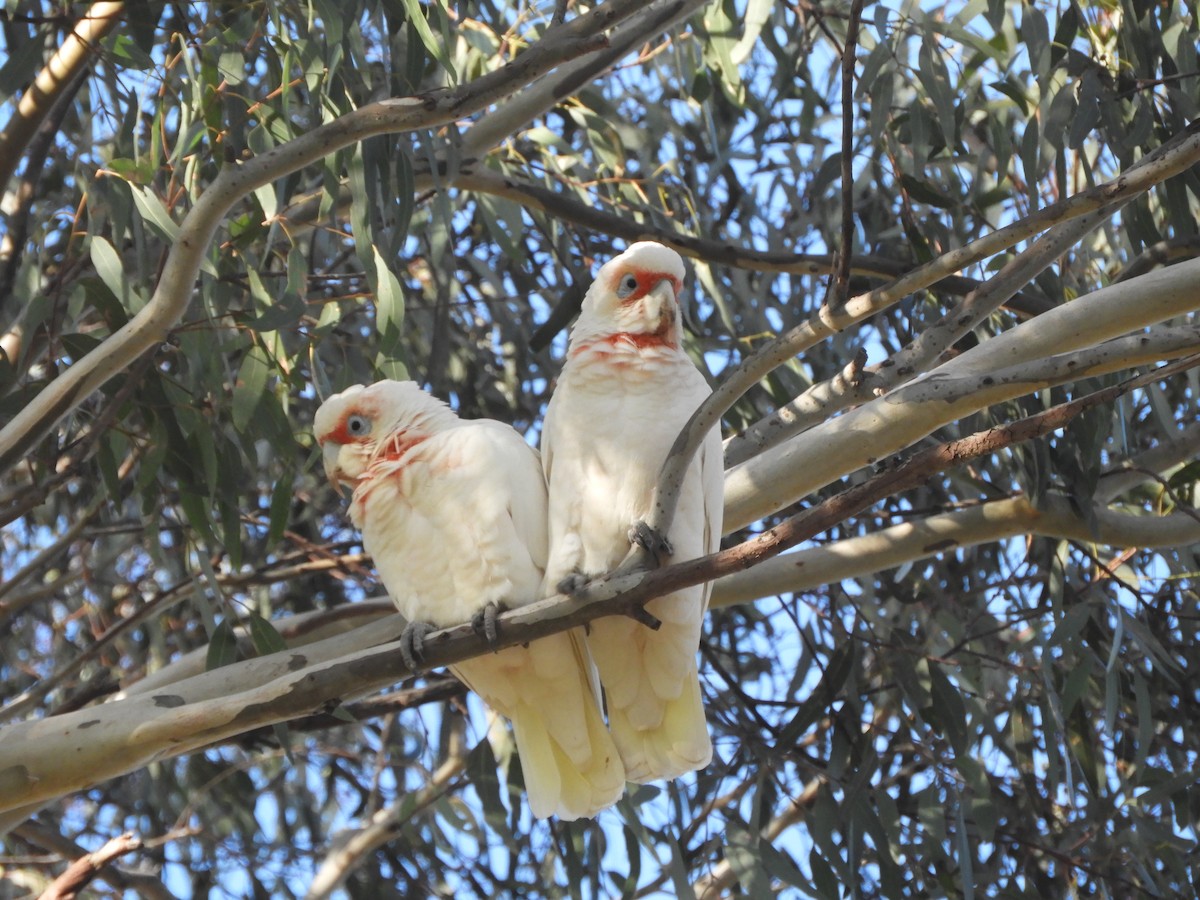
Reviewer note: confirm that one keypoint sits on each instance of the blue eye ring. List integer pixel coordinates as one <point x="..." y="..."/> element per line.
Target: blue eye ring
<point x="358" y="426"/>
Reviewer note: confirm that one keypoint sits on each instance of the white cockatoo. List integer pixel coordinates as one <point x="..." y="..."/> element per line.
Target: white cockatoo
<point x="454" y="514"/>
<point x="624" y="394"/>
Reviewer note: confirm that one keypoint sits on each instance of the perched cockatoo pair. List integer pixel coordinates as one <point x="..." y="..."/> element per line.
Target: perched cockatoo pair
<point x="457" y="518"/>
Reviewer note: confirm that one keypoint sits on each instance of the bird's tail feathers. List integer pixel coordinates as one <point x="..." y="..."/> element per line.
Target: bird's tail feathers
<point x="680" y="744"/>
<point x="555" y="783"/>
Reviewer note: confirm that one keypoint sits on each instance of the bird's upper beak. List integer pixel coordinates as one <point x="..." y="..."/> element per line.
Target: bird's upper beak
<point x="333" y="469"/>
<point x="661" y="299"/>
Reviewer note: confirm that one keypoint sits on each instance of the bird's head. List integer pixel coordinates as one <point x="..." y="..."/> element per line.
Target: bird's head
<point x="635" y="297"/>
<point x="363" y="425"/>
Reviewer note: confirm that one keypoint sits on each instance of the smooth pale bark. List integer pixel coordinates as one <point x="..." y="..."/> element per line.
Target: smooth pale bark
<point x="889" y="424"/>
<point x="811" y="568"/>
<point x="48" y="758"/>
<point x="71" y="57"/>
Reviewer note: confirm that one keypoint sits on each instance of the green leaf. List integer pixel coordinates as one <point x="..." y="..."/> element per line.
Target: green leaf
<point x="155" y="213"/>
<point x="263" y="635"/>
<point x="951" y="711"/>
<point x="1078" y="679"/>
<point x="126" y="49"/>
<point x="389" y="317"/>
<point x="841" y="664"/>
<point x="250" y="388"/>
<point x="111" y="270"/>
<point x="742" y="851"/>
<point x="754" y="19"/>
<point x="924" y="192"/>
<point x="196" y="509"/>
<point x="281" y="507"/>
<point x="824" y="878"/>
<point x="416" y="15"/>
<point x="24" y="58"/>
<point x="222" y="646"/>
<point x="485" y="779"/>
<point x="1071" y="623"/>
<point x="721" y="32"/>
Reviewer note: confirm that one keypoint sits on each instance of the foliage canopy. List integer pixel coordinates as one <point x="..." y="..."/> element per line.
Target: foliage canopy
<point x="976" y="682"/>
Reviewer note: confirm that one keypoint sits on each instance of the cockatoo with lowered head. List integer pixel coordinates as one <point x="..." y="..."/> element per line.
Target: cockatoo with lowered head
<point x="624" y="394"/>
<point x="454" y="514"/>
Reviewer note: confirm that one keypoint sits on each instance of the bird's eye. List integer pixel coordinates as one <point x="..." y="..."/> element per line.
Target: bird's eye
<point x="628" y="285"/>
<point x="358" y="426"/>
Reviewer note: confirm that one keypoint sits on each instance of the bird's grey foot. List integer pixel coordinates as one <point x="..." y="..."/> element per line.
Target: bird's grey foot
<point x="573" y="583"/>
<point x="412" y="644"/>
<point x="651" y="540"/>
<point x="484" y="623"/>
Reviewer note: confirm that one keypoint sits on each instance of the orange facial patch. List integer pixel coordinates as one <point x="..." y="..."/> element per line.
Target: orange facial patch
<point x="646" y="280"/>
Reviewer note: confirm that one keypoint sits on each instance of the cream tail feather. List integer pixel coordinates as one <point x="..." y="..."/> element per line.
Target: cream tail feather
<point x="454" y="514"/>
<point x="624" y="394"/>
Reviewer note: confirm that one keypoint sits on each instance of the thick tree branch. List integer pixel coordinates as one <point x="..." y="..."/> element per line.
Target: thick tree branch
<point x="860" y="557"/>
<point x="153" y="322"/>
<point x="785" y="473"/>
<point x="71" y="58"/>
<point x="849" y="387"/>
<point x="912" y="472"/>
<point x="80" y="749"/>
<point x="921" y="354"/>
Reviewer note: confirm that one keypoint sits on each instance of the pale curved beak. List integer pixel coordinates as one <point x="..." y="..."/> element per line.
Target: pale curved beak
<point x="329" y="457"/>
<point x="661" y="300"/>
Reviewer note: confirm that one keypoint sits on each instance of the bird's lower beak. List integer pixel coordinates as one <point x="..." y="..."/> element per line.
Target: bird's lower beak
<point x="329" y="457"/>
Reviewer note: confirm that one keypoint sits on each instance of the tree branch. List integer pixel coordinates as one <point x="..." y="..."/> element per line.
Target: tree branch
<point x="653" y="19"/>
<point x="81" y="872"/>
<point x="71" y="58"/>
<point x="560" y="206"/>
<point x="353" y="847"/>
<point x="912" y="472"/>
<point x="1054" y="517"/>
<point x="80" y="749"/>
<point x="783" y="474"/>
<point x="143" y="886"/>
<point x="154" y="321"/>
<point x="1172" y="158"/>
<point x="1142" y="467"/>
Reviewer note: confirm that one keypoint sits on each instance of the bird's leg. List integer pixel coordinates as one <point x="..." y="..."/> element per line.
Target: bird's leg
<point x="652" y="541"/>
<point x="573" y="583"/>
<point x="412" y="645"/>
<point x="484" y="623"/>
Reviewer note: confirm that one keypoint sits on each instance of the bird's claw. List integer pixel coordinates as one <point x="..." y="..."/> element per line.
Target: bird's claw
<point x="484" y="623"/>
<point x="651" y="540"/>
<point x="573" y="583"/>
<point x="412" y="645"/>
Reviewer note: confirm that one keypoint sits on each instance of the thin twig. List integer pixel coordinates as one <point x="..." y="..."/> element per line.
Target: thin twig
<point x="81" y="872"/>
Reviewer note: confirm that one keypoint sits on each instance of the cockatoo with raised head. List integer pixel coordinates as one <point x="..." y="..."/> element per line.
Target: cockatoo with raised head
<point x="624" y="394"/>
<point x="454" y="514"/>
